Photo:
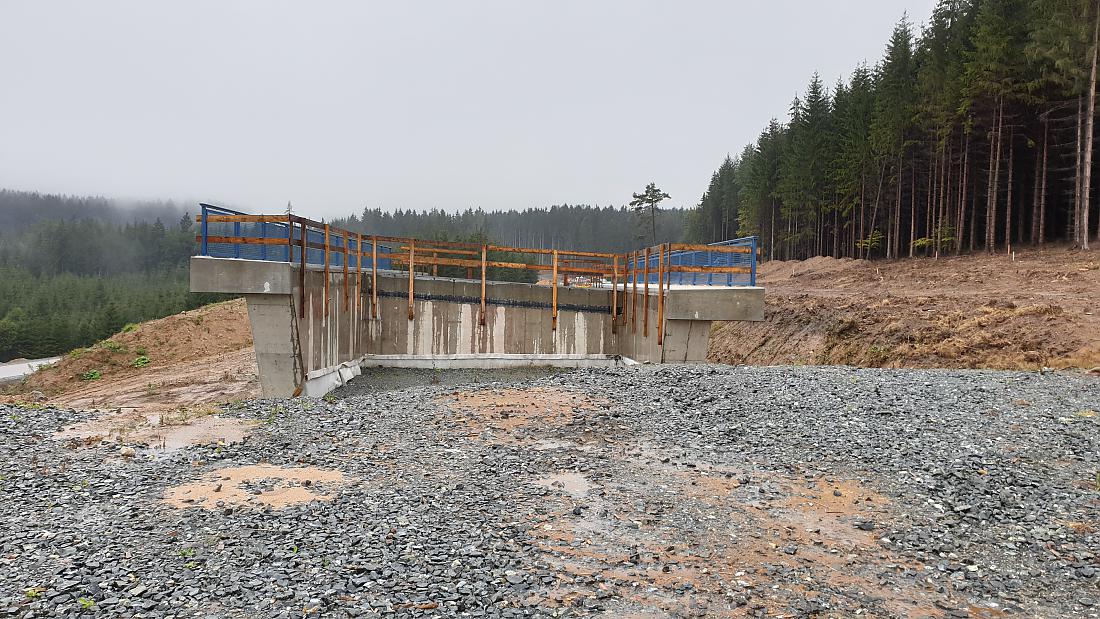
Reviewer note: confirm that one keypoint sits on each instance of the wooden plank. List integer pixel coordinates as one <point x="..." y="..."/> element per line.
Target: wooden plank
<point x="397" y="259"/>
<point x="560" y="252"/>
<point x="412" y="276"/>
<point x="691" y="269"/>
<point x="645" y="295"/>
<point x="242" y="240"/>
<point x="554" y="299"/>
<point x="443" y="250"/>
<point x="721" y="249"/>
<point x="278" y="219"/>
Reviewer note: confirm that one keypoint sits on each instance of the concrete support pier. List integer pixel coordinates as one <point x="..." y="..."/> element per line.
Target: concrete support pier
<point x="311" y="339"/>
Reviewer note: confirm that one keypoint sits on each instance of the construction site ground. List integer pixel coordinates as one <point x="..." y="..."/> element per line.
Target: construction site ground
<point x="143" y="476"/>
<point x="1026" y="310"/>
<point x="648" y="491"/>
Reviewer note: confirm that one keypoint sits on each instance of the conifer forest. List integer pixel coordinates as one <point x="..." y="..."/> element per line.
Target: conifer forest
<point x="972" y="133"/>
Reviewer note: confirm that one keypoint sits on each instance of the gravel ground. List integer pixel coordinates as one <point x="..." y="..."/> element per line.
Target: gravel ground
<point x="650" y="491"/>
<point x="375" y="380"/>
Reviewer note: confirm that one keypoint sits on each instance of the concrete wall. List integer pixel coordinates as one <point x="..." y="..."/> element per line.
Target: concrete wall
<point x="312" y="347"/>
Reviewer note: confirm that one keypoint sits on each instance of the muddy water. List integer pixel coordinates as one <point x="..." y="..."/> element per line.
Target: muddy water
<point x="159" y="433"/>
<point x="14" y="370"/>
<point x="573" y="484"/>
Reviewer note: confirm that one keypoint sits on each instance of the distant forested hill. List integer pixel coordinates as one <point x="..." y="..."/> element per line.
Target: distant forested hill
<point x="577" y="226"/>
<point x="75" y="270"/>
<point x="20" y="210"/>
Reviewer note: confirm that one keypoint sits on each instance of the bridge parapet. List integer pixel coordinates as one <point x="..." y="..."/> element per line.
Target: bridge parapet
<point x="322" y="301"/>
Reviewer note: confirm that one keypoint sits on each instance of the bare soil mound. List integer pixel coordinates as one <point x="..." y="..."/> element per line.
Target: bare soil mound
<point x="1034" y="310"/>
<point x="198" y="357"/>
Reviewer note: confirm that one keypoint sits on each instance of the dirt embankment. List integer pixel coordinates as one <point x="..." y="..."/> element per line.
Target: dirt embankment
<point x="1039" y="309"/>
<point x="188" y="360"/>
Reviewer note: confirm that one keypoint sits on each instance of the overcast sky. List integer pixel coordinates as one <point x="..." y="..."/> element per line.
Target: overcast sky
<point x="340" y="105"/>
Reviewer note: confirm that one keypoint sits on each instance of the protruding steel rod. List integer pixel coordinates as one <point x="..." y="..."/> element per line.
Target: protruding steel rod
<point x="660" y="294"/>
<point x="645" y="295"/>
<point x="346" y="271"/>
<point x="302" y="275"/>
<point x="554" y="297"/>
<point x="359" y="273"/>
<point x="374" y="277"/>
<point x="412" y="277"/>
<point x="614" y="292"/>
<point x="290" y="239"/>
<point x="326" y="270"/>
<point x="634" y="293"/>
<point x="484" y="260"/>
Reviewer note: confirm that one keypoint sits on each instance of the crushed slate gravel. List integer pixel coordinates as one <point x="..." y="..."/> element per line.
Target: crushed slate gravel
<point x="995" y="477"/>
<point x="378" y="379"/>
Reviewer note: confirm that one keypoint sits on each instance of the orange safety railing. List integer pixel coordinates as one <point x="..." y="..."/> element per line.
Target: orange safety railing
<point x="305" y="242"/>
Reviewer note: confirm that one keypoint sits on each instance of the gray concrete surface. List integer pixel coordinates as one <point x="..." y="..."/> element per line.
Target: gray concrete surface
<point x="307" y="344"/>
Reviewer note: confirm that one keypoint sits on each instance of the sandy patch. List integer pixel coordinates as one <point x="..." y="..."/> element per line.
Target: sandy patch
<point x="573" y="484"/>
<point x="515" y="414"/>
<point x="257" y="485"/>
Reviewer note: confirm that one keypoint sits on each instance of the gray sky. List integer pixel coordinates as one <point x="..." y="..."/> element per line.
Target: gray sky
<point x="340" y="105"/>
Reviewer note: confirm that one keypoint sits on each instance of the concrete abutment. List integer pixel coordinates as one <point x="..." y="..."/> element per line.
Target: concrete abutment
<point x="307" y="344"/>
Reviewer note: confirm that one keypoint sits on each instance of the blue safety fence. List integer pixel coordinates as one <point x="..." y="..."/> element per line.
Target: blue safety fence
<point x="229" y="239"/>
<point x="280" y="252"/>
<point x="702" y="258"/>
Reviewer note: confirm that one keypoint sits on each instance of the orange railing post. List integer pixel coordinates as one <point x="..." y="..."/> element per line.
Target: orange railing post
<point x="326" y="270"/>
<point x="660" y="294"/>
<point x="554" y="298"/>
<point x="374" y="277"/>
<point x="412" y="277"/>
<point x="645" y="295"/>
<point x="484" y="256"/>
<point x="614" y="292"/>
<point x="634" y="293"/>
<point x="345" y="271"/>
<point x="302" y="273"/>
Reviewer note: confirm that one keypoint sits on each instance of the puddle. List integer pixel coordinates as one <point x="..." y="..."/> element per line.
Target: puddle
<point x="256" y="485"/>
<point x="574" y="484"/>
<point x="158" y="433"/>
<point x="202" y="431"/>
<point x="549" y="445"/>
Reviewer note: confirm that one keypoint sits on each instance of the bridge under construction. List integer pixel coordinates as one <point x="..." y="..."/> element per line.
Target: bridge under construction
<point x="324" y="302"/>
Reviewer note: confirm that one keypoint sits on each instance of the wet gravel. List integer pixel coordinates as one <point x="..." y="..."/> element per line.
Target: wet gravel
<point x="377" y="380"/>
<point x="992" y="479"/>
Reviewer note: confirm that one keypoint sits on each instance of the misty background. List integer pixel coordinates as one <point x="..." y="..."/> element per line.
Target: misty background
<point x="337" y="106"/>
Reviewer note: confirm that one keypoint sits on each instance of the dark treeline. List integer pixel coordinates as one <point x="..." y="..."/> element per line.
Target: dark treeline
<point x="21" y="209"/>
<point x="975" y="134"/>
<point x="583" y="227"/>
<point x="72" y="280"/>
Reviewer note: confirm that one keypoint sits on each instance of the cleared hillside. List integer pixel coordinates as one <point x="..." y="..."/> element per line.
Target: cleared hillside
<point x="1037" y="310"/>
